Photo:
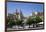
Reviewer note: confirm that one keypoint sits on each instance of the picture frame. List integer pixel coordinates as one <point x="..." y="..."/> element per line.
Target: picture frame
<point x="21" y="2"/>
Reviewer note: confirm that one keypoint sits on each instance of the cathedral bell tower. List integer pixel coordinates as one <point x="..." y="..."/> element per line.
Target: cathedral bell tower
<point x="19" y="15"/>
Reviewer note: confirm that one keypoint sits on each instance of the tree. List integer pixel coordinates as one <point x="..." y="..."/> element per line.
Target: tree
<point x="36" y="20"/>
<point x="10" y="20"/>
<point x="33" y="22"/>
<point x="18" y="22"/>
<point x="22" y="25"/>
<point x="11" y="23"/>
<point x="29" y="21"/>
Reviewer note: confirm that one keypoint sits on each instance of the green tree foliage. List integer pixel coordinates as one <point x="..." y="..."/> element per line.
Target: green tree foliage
<point x="11" y="23"/>
<point x="29" y="21"/>
<point x="36" y="20"/>
<point x="18" y="22"/>
<point x="33" y="21"/>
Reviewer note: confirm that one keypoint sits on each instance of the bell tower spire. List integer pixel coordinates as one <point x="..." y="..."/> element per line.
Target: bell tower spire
<point x="17" y="14"/>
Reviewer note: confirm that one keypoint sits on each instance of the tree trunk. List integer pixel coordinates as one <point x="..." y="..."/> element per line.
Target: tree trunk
<point x="29" y="26"/>
<point x="33" y="26"/>
<point x="23" y="27"/>
<point x="36" y="25"/>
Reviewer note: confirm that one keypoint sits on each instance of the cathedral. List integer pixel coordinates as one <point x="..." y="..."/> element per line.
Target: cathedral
<point x="18" y="15"/>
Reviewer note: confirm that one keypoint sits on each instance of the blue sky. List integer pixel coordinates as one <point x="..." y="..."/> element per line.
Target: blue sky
<point x="26" y="8"/>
